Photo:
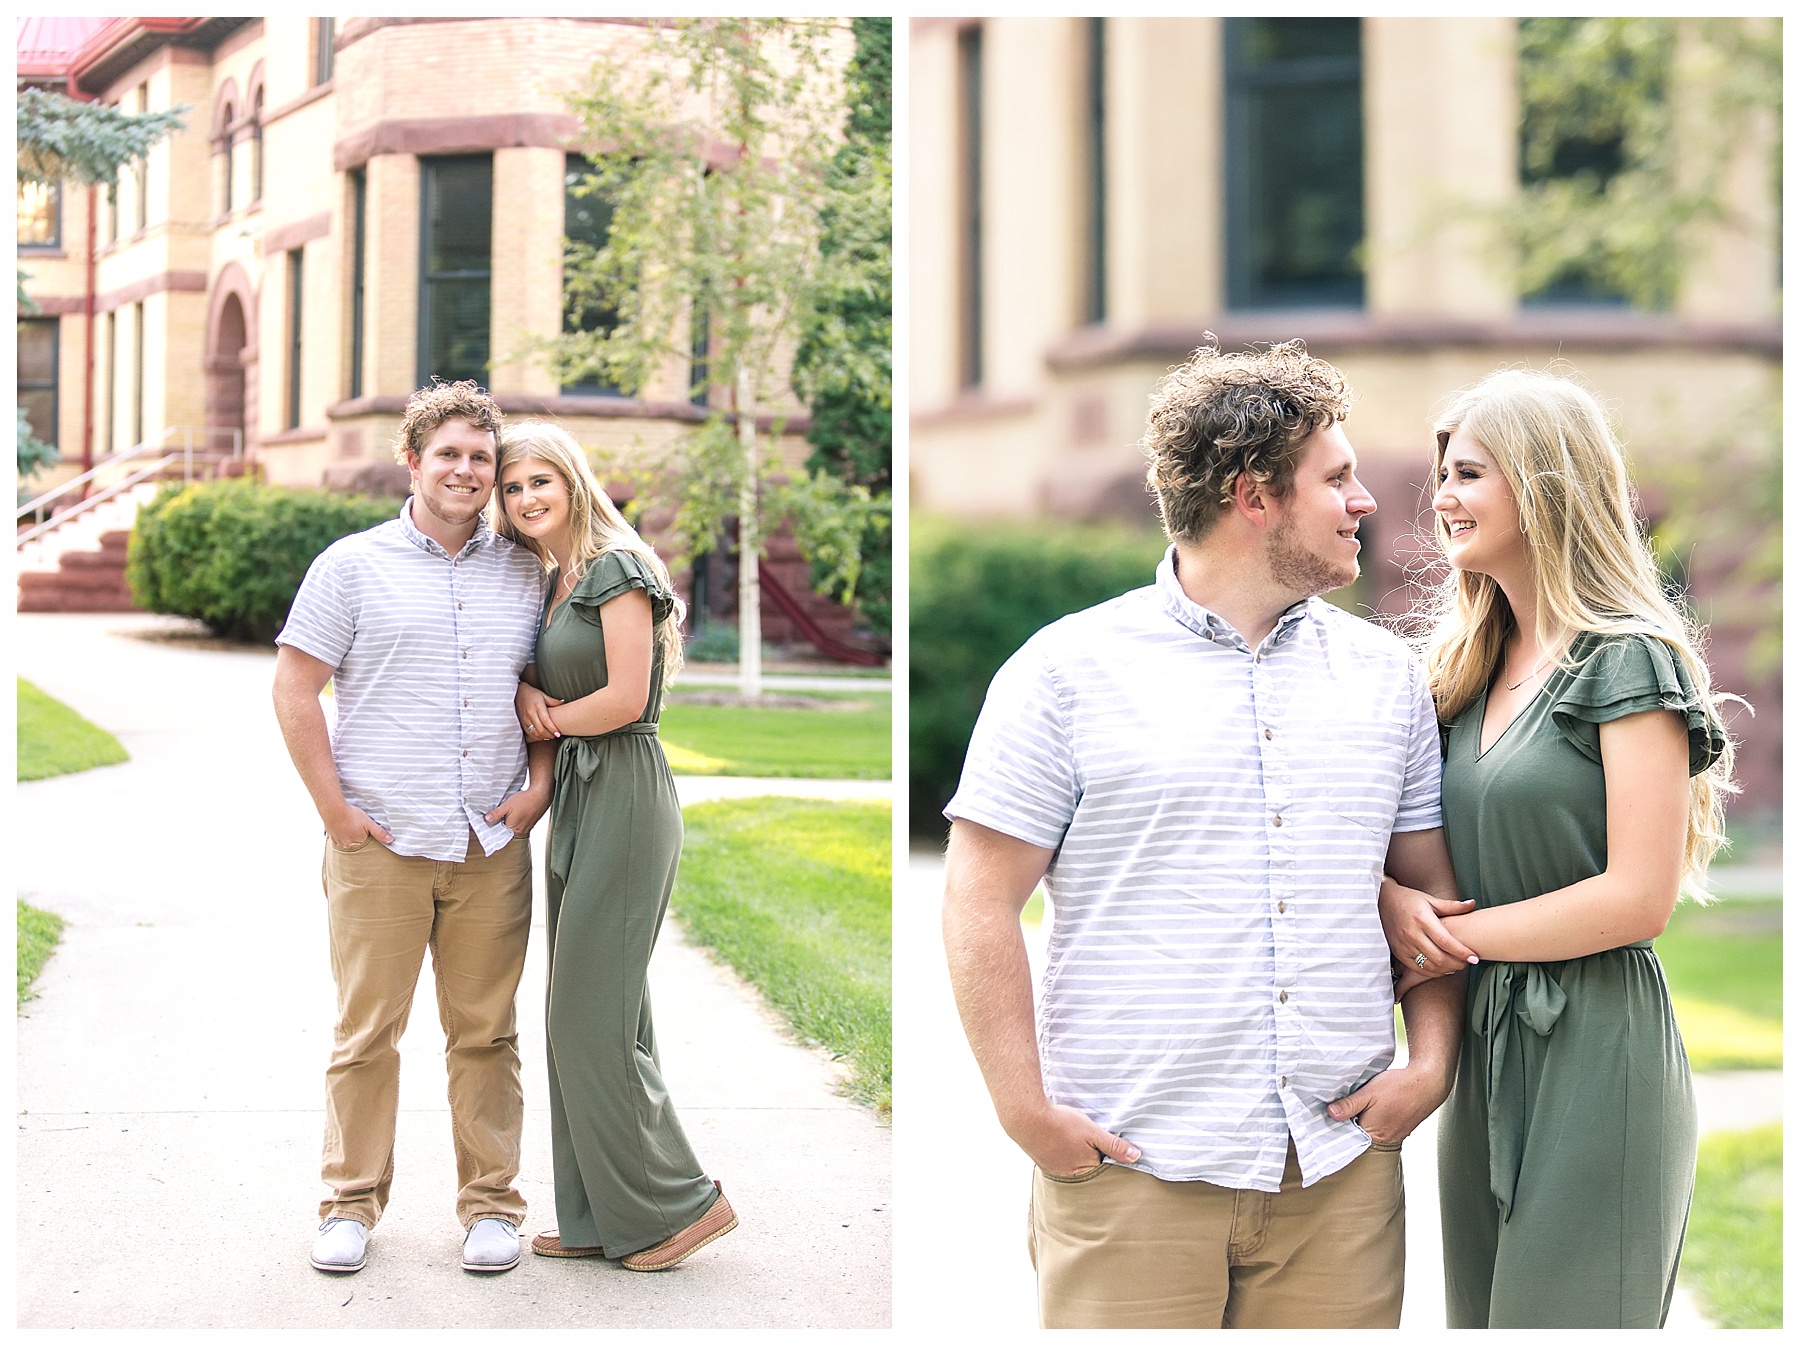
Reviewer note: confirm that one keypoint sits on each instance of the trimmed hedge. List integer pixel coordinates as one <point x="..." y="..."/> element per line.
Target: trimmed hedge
<point x="980" y="592"/>
<point x="233" y="553"/>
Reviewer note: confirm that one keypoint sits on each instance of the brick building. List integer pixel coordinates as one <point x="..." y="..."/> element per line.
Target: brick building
<point x="1089" y="197"/>
<point x="355" y="206"/>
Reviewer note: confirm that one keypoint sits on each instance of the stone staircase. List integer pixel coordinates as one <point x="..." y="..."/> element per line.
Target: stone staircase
<point x="79" y="566"/>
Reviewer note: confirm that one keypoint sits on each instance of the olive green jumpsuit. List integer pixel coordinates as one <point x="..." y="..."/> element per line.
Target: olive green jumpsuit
<point x="1566" y="1152"/>
<point x="626" y="1178"/>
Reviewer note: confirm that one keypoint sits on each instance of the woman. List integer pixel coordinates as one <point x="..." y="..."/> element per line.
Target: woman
<point x="627" y="1183"/>
<point x="1584" y="780"/>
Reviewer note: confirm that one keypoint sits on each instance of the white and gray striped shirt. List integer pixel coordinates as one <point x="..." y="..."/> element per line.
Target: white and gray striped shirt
<point x="1217" y="972"/>
<point x="427" y="650"/>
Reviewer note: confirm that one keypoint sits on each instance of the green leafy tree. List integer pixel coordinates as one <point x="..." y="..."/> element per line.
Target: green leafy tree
<point x="844" y="366"/>
<point x="62" y="140"/>
<point x="716" y="141"/>
<point x="1617" y="183"/>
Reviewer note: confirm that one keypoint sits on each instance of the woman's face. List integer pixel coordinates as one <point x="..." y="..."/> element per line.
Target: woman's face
<point x="535" y="498"/>
<point x="1477" y="509"/>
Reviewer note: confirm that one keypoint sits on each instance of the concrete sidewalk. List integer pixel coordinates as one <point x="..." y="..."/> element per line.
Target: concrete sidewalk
<point x="170" y="1074"/>
<point x="947" y="1124"/>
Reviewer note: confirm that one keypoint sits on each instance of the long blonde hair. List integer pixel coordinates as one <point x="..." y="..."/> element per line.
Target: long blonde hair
<point x="595" y="524"/>
<point x="1592" y="565"/>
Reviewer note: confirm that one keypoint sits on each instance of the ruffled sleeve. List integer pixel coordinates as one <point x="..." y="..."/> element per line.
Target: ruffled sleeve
<point x="1623" y="676"/>
<point x="611" y="574"/>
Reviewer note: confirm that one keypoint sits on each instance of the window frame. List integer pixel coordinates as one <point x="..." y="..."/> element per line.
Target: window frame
<point x="429" y="281"/>
<point x="54" y="243"/>
<point x="573" y="165"/>
<point x="296" y="318"/>
<point x="1243" y="288"/>
<point x="53" y="385"/>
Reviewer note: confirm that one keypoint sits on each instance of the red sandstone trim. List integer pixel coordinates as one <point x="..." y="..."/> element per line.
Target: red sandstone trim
<point x="296" y="233"/>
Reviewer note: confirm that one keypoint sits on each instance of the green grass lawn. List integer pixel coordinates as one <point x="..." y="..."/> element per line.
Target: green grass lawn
<point x="54" y="740"/>
<point x="796" y="895"/>
<point x="1733" y="1253"/>
<point x="1723" y="963"/>
<point x="852" y="741"/>
<point x="38" y="933"/>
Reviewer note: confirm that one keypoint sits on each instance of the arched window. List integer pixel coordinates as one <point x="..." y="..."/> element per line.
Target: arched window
<point x="225" y="113"/>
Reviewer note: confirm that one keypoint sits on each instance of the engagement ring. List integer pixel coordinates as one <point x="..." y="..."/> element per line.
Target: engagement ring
<point x="1419" y="958"/>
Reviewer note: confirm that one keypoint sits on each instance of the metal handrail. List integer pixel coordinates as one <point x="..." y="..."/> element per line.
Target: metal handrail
<point x="40" y="504"/>
<point x="99" y="498"/>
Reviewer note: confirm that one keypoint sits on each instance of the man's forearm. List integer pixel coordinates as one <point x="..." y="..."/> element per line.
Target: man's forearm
<point x="991" y="976"/>
<point x="540" y="765"/>
<point x="1433" y="1012"/>
<point x="302" y="721"/>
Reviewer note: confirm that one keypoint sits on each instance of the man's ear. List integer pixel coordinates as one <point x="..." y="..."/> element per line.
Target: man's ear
<point x="412" y="461"/>
<point x="1251" y="498"/>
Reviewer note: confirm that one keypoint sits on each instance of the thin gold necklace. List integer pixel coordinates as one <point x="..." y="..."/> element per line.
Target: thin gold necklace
<point x="1514" y="686"/>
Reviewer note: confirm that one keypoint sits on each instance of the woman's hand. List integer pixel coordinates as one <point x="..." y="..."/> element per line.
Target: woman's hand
<point x="535" y="717"/>
<point x="1411" y="921"/>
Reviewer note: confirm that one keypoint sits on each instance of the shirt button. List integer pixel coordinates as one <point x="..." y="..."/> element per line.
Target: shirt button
<point x="459" y="607"/>
<point x="1284" y="997"/>
<point x="1279" y="906"/>
<point x="1278" y="820"/>
<point x="1284" y="1081"/>
<point x="1267" y="733"/>
<point x="465" y="705"/>
<point x="465" y="752"/>
<point x="465" y="654"/>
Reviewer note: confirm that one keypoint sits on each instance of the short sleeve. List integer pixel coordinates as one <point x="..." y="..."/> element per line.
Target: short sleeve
<point x="322" y="620"/>
<point x="610" y="574"/>
<point x="1421" y="791"/>
<point x="1624" y="676"/>
<point x="1019" y="774"/>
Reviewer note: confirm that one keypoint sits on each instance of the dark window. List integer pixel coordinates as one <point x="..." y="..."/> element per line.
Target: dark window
<point x="587" y="220"/>
<point x="1293" y="162"/>
<point x="40" y="215"/>
<point x="1574" y="136"/>
<point x="256" y="147"/>
<point x="1094" y="277"/>
<point x="324" y="39"/>
<point x="456" y="266"/>
<point x="111" y="419"/>
<point x="296" y="301"/>
<point x="968" y="57"/>
<point x="230" y="115"/>
<point x="700" y="356"/>
<point x="143" y="177"/>
<point x="359" y="188"/>
<point x="37" y="375"/>
<point x="137" y="374"/>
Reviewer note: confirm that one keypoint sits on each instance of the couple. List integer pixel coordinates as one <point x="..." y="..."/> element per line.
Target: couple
<point x="431" y="627"/>
<point x="1231" y="791"/>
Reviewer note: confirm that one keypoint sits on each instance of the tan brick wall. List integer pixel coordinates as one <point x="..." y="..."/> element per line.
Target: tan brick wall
<point x="392" y="269"/>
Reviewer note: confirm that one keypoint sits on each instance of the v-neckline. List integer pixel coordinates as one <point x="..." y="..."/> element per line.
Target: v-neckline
<point x="1481" y="722"/>
<point x="1524" y="710"/>
<point x="557" y="604"/>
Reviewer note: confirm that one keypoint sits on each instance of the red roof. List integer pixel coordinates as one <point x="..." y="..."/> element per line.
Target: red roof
<point x="46" y="45"/>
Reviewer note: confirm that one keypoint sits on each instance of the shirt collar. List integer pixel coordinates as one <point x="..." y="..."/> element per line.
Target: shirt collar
<point x="1208" y="624"/>
<point x="481" y="537"/>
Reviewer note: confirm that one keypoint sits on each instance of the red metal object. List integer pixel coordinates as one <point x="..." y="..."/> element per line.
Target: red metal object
<point x="836" y="649"/>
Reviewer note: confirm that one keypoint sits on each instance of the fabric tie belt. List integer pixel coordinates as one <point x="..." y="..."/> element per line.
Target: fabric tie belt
<point x="1511" y="994"/>
<point x="579" y="758"/>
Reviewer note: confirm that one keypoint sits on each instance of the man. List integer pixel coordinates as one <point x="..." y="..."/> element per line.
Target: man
<point x="423" y="624"/>
<point x="1209" y="776"/>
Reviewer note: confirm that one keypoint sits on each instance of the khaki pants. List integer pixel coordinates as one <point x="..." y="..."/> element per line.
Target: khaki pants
<point x="385" y="910"/>
<point x="1119" y="1248"/>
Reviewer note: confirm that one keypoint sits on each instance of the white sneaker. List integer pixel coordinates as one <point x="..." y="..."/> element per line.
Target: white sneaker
<point x="342" y="1245"/>
<point x="492" y="1245"/>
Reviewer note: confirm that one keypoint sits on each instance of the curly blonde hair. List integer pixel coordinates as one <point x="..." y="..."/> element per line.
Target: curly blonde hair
<point x="438" y="402"/>
<point x="1219" y="417"/>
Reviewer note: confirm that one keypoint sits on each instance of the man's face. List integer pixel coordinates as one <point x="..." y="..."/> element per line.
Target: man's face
<point x="453" y="475"/>
<point x="1312" y="546"/>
